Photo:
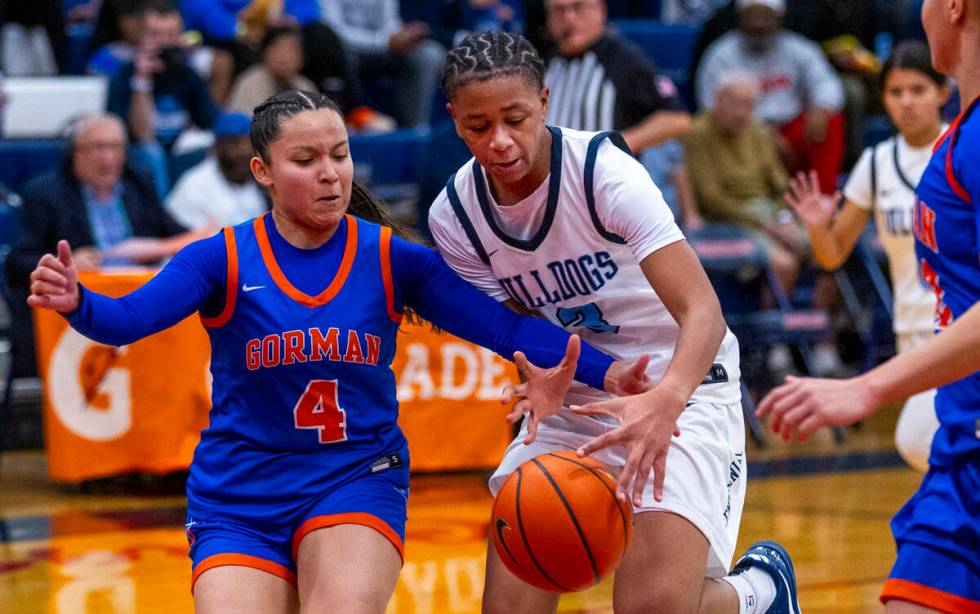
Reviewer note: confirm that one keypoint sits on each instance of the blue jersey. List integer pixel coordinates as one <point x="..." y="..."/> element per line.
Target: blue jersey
<point x="306" y="377"/>
<point x="947" y="225"/>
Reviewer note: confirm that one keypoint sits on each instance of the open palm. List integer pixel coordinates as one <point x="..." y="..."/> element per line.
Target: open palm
<point x="808" y="202"/>
<point x="543" y="391"/>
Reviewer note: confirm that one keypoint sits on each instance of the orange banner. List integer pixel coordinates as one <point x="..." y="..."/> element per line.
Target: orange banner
<point x="142" y="407"/>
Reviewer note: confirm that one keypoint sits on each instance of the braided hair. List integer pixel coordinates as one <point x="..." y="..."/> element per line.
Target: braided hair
<point x="266" y="127"/>
<point x="488" y="55"/>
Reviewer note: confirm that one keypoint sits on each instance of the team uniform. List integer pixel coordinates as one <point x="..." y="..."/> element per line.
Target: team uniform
<point x="571" y="251"/>
<point x="303" y="431"/>
<point x="883" y="182"/>
<point x="938" y="531"/>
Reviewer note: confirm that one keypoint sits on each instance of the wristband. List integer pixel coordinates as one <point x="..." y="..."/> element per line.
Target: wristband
<point x="140" y="84"/>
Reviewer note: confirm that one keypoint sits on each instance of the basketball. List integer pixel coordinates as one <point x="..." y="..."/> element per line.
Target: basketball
<point x="557" y="523"/>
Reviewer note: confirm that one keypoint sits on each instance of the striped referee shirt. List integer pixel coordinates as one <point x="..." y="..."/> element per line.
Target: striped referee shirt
<point x="612" y="86"/>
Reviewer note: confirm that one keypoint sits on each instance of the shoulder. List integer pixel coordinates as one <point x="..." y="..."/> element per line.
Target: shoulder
<point x="725" y="44"/>
<point x="699" y="128"/>
<point x="612" y="48"/>
<point x="50" y="184"/>
<point x="795" y="42"/>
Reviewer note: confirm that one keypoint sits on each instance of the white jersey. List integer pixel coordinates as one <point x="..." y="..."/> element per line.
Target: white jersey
<point x="571" y="251"/>
<point x="897" y="168"/>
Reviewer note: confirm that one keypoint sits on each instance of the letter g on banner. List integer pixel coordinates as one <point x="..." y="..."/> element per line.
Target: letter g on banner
<point x="76" y="407"/>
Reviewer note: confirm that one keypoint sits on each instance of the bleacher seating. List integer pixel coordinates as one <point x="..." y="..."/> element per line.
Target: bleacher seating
<point x="670" y="46"/>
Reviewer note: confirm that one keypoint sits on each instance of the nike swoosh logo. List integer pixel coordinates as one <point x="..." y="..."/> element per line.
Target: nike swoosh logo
<point x="248" y="288"/>
<point x="501" y="525"/>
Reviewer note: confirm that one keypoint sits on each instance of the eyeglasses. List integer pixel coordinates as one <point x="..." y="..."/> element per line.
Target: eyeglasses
<point x="573" y="8"/>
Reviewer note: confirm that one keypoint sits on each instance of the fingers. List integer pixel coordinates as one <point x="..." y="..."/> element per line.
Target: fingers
<point x="659" y="475"/>
<point x="599" y="408"/>
<point x="642" y="475"/>
<point x="532" y="429"/>
<point x="808" y="427"/>
<point x="628" y="479"/>
<point x="522" y="364"/>
<point x="64" y="253"/>
<point x="572" y="351"/>
<point x="639" y="368"/>
<point x="606" y="440"/>
<point x="520" y="408"/>
<point x="512" y="391"/>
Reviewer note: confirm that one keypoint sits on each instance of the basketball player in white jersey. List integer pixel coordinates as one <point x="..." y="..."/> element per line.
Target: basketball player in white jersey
<point x="882" y="184"/>
<point x="569" y="226"/>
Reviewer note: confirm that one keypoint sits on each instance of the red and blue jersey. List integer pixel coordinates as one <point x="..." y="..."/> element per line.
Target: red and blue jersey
<point x="302" y="341"/>
<point x="307" y="375"/>
<point x="947" y="227"/>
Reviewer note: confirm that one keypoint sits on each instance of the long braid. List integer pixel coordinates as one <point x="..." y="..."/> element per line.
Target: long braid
<point x="489" y="55"/>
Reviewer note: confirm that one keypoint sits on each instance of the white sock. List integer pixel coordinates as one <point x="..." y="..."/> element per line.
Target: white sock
<point x="755" y="588"/>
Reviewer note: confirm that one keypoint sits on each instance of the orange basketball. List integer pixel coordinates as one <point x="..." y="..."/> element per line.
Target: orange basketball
<point x="557" y="523"/>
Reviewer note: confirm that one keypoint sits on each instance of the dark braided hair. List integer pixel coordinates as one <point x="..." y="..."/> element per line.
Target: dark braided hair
<point x="267" y="121"/>
<point x="489" y="55"/>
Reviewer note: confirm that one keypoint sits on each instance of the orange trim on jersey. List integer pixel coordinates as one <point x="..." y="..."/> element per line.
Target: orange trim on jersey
<point x="386" y="275"/>
<point x="231" y="284"/>
<point x="243" y="560"/>
<point x="346" y="263"/>
<point x="927" y="596"/>
<point x="359" y="518"/>
<point x="950" y="176"/>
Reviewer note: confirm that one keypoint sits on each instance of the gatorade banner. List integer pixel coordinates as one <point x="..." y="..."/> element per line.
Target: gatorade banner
<point x="142" y="407"/>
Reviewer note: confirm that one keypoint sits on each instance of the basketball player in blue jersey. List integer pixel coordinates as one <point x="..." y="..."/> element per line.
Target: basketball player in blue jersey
<point x="938" y="531"/>
<point x="569" y="225"/>
<point x="297" y="492"/>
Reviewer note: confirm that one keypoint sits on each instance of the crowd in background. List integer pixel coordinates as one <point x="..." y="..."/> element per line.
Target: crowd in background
<point x="779" y="86"/>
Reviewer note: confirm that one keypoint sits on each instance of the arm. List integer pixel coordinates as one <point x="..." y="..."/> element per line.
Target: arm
<point x="802" y="405"/>
<point x="656" y="128"/>
<point x="440" y="296"/>
<point x="833" y="237"/>
<point x="181" y="288"/>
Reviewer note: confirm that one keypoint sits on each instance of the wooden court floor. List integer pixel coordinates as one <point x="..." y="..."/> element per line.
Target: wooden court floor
<point x="63" y="552"/>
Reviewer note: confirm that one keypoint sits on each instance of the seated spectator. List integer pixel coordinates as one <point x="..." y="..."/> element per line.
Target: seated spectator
<point x="599" y="81"/>
<point x="379" y="43"/>
<point x="737" y="176"/>
<point x="282" y="57"/>
<point x="117" y="35"/>
<point x="801" y="97"/>
<point x="159" y="94"/>
<point x="239" y="26"/>
<point x="220" y="191"/>
<point x="109" y="214"/>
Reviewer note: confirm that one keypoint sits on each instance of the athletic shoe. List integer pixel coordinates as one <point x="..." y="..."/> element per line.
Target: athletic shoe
<point x="773" y="559"/>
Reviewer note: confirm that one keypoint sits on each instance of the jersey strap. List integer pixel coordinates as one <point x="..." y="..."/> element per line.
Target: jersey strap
<point x="589" y="177"/>
<point x="231" y="285"/>
<point x="464" y="220"/>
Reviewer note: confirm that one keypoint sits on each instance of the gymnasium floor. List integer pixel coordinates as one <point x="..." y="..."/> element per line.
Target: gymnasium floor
<point x="62" y="552"/>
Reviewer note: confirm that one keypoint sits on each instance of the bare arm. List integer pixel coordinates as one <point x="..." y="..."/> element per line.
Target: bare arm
<point x="656" y="128"/>
<point x="803" y="405"/>
<point x="141" y="116"/>
<point x="833" y="236"/>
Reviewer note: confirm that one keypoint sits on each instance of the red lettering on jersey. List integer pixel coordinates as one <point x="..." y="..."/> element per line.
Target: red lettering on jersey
<point x="944" y="317"/>
<point x="354" y="352"/>
<point x="253" y="354"/>
<point x="295" y="342"/>
<point x="771" y="83"/>
<point x="373" y="349"/>
<point x="328" y="346"/>
<point x="924" y="226"/>
<point x="270" y="351"/>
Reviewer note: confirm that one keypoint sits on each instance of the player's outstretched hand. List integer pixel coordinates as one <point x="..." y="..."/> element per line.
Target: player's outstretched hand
<point x="543" y="391"/>
<point x="804" y="404"/>
<point x="624" y="378"/>
<point x="646" y="423"/>
<point x="803" y="195"/>
<point x="54" y="283"/>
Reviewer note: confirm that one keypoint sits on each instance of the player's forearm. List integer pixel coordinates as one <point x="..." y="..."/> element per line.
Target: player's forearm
<point x="947" y="357"/>
<point x="141" y="117"/>
<point x="827" y="251"/>
<point x="702" y="329"/>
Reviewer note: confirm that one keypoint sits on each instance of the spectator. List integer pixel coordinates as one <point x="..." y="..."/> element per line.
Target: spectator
<point x="599" y="81"/>
<point x="378" y="43"/>
<point x="282" y="58"/>
<point x="117" y="35"/>
<point x="159" y="94"/>
<point x="801" y="96"/>
<point x="220" y="191"/>
<point x="110" y="215"/>
<point x="737" y="176"/>
<point x="239" y="26"/>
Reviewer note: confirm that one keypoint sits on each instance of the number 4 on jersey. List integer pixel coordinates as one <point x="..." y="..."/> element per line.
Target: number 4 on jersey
<point x="318" y="409"/>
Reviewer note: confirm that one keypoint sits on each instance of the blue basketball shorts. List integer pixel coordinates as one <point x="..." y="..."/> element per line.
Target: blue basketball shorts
<point x="378" y="501"/>
<point x="938" y="537"/>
